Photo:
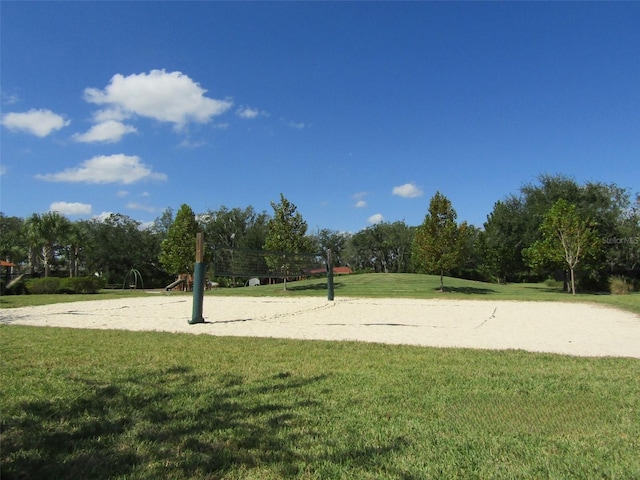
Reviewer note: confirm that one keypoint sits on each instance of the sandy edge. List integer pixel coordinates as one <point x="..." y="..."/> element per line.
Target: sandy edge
<point x="554" y="327"/>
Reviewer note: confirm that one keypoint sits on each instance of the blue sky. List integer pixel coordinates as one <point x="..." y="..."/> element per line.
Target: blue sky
<point x="356" y="112"/>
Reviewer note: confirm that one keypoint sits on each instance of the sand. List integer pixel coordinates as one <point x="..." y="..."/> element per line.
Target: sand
<point x="553" y="327"/>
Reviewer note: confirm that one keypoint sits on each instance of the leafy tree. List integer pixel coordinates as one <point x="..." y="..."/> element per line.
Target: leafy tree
<point x="286" y="233"/>
<point x="438" y="245"/>
<point x="567" y="239"/>
<point x="333" y="240"/>
<point x="12" y="245"/>
<point x="503" y="239"/>
<point x="178" y="249"/>
<point x="76" y="239"/>
<point x="162" y="224"/>
<point x="383" y="247"/>
<point x="117" y="244"/>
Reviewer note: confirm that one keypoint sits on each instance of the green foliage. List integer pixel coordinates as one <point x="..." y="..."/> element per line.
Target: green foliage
<point x="50" y="285"/>
<point x="438" y="245"/>
<point x="82" y="284"/>
<point x="286" y="233"/>
<point x="384" y="247"/>
<point x="567" y="239"/>
<point x="46" y="234"/>
<point x="503" y="239"/>
<point x="45" y="285"/>
<point x="287" y="230"/>
<point x="178" y="249"/>
<point x="146" y="405"/>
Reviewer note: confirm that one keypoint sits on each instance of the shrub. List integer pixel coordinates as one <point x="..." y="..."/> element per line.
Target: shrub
<point x="619" y="286"/>
<point x="82" y="284"/>
<point x="43" y="285"/>
<point x="553" y="283"/>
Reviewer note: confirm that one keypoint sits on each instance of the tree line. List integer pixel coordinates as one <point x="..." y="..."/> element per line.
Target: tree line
<point x="554" y="228"/>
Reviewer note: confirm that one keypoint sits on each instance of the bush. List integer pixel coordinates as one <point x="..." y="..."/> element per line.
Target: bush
<point x="619" y="286"/>
<point x="82" y="284"/>
<point x="43" y="285"/>
<point x="553" y="283"/>
<point x="64" y="285"/>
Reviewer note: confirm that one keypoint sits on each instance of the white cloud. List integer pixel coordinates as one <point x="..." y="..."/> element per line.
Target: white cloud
<point x="102" y="217"/>
<point x="139" y="206"/>
<point x="164" y="96"/>
<point x="408" y="190"/>
<point x="73" y="208"/>
<point x="117" y="168"/>
<point x="359" y="197"/>
<point x="37" y="122"/>
<point x="297" y="125"/>
<point x="122" y="194"/>
<point x="377" y="218"/>
<point x="110" y="131"/>
<point x="10" y="98"/>
<point x="247" y="112"/>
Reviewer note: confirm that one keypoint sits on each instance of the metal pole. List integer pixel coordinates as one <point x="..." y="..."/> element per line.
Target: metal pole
<point x="329" y="276"/>
<point x="198" y="281"/>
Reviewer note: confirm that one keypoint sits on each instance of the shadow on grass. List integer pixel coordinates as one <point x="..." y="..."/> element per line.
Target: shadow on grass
<point x="170" y="423"/>
<point x="467" y="290"/>
<point x="310" y="287"/>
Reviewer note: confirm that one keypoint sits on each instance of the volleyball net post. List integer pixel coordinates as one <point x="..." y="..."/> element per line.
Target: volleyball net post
<point x="199" y="271"/>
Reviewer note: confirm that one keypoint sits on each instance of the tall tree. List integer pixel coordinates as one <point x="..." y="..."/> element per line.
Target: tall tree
<point x="326" y="239"/>
<point x="567" y="238"/>
<point x="503" y="239"/>
<point x="178" y="249"/>
<point x="438" y="245"/>
<point x="12" y="244"/>
<point x="286" y="234"/>
<point x="76" y="239"/>
<point x="383" y="247"/>
<point x="45" y="233"/>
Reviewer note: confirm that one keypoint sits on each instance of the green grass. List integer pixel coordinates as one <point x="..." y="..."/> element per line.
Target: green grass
<point x="373" y="285"/>
<point x="395" y="285"/>
<point x="146" y="405"/>
<point x="14" y="301"/>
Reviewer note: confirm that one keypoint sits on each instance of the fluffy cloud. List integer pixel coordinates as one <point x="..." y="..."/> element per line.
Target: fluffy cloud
<point x="377" y="218"/>
<point x="167" y="97"/>
<point x="73" y="208"/>
<point x="247" y="112"/>
<point x="359" y="197"/>
<point x="140" y="206"/>
<point x="106" y="169"/>
<point x="110" y="131"/>
<point x="408" y="190"/>
<point x="37" y="122"/>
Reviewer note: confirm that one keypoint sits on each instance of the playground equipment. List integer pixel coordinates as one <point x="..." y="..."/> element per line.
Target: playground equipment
<point x="132" y="278"/>
<point x="173" y="285"/>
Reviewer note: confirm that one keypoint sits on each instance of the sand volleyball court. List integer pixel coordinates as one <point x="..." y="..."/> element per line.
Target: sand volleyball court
<point x="555" y="327"/>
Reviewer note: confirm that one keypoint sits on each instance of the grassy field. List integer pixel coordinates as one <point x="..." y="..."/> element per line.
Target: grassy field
<point x="374" y="285"/>
<point x="144" y="405"/>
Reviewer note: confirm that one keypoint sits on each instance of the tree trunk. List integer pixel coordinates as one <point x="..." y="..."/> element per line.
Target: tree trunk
<point x="573" y="282"/>
<point x="441" y="281"/>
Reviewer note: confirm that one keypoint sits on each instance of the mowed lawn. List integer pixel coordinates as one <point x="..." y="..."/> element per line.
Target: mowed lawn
<point x="146" y="405"/>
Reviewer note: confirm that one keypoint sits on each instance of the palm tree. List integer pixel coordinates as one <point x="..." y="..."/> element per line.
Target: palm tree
<point x="44" y="234"/>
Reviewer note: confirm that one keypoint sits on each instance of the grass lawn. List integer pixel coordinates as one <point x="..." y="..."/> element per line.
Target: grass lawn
<point x="147" y="405"/>
<point x="378" y="285"/>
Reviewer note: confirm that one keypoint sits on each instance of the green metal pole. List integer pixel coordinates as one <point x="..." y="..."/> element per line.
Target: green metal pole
<point x="329" y="276"/>
<point x="198" y="281"/>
